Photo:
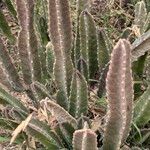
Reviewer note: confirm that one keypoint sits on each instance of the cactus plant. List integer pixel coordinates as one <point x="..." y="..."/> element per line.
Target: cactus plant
<point x="81" y="5"/>
<point x="84" y="139"/>
<point x="10" y="68"/>
<point x="59" y="119"/>
<point x="22" y="46"/>
<point x="5" y="27"/>
<point x="78" y="96"/>
<point x="3" y="78"/>
<point x="142" y="18"/>
<point x="140" y="46"/>
<point x="141" y="109"/>
<point x="11" y="8"/>
<point x="119" y="93"/>
<point x="140" y="14"/>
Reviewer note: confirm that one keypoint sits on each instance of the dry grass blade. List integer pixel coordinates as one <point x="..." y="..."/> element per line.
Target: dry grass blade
<point x="21" y="127"/>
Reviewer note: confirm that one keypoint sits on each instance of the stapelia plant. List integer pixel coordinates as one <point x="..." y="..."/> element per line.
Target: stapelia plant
<point x="119" y="88"/>
<point x="62" y="120"/>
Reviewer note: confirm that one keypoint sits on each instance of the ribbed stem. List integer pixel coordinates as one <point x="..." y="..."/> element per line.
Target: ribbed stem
<point x="10" y="68"/>
<point x="119" y="93"/>
<point x="59" y="66"/>
<point x="65" y="27"/>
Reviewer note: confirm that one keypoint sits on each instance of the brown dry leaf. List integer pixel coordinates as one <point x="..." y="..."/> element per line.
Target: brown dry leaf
<point x="96" y="124"/>
<point x="42" y="114"/>
<point x="136" y="30"/>
<point x="58" y="112"/>
<point x="125" y="147"/>
<point x="21" y="127"/>
<point x="31" y="142"/>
